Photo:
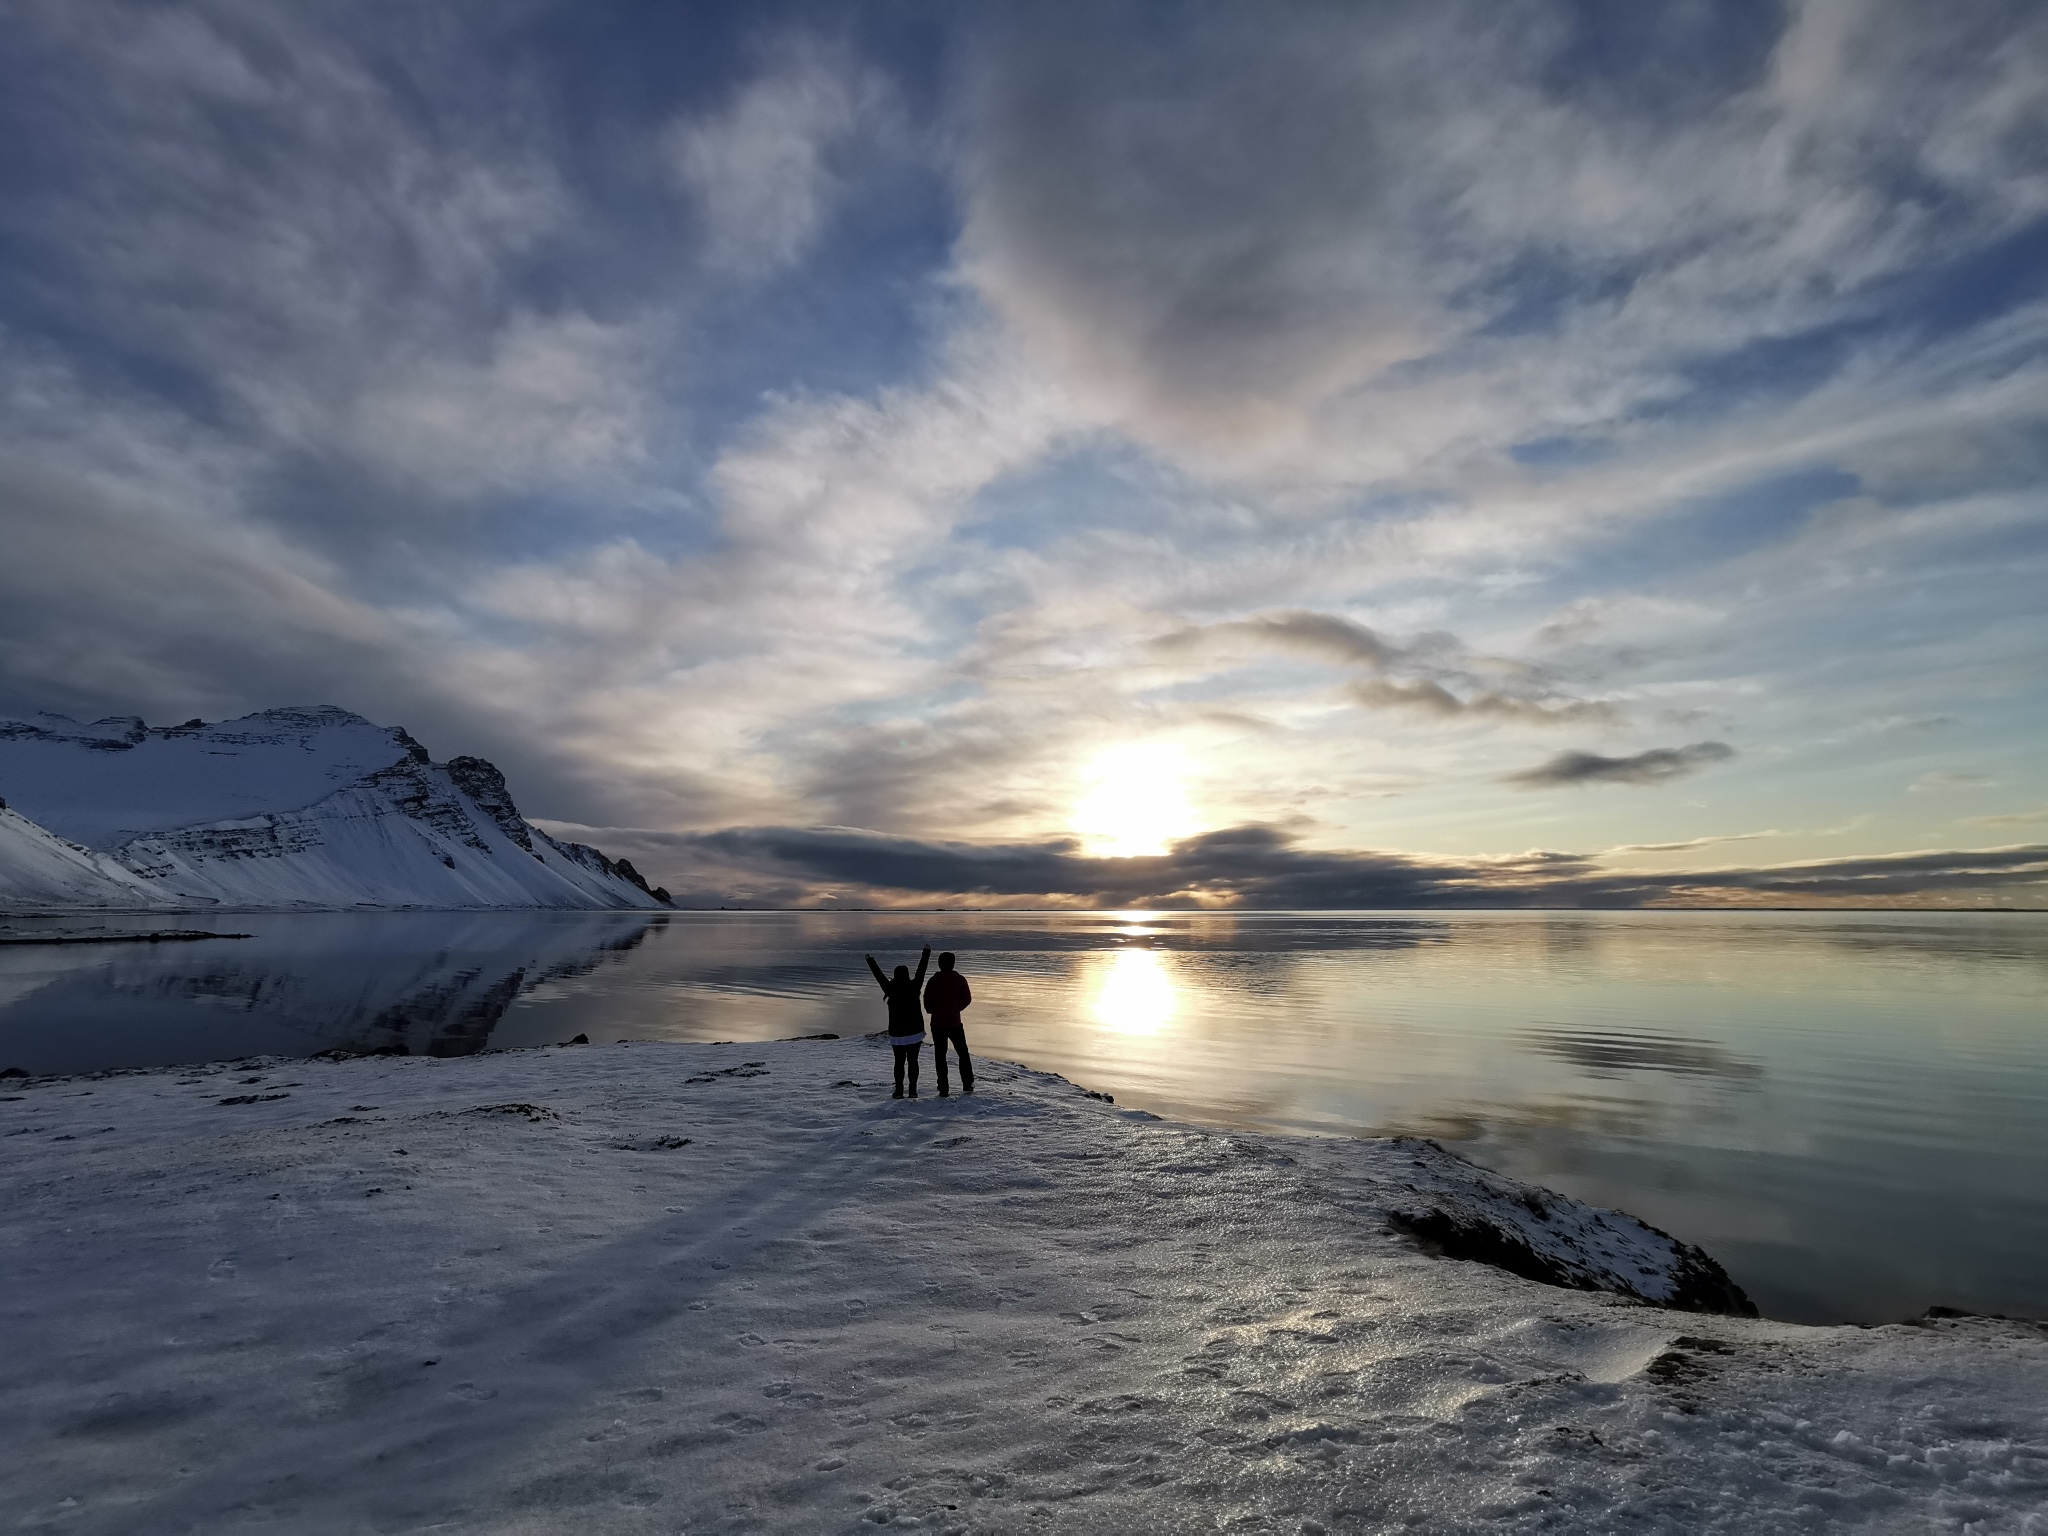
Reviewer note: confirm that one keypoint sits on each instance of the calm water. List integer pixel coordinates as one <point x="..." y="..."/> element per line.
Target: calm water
<point x="1850" y="1111"/>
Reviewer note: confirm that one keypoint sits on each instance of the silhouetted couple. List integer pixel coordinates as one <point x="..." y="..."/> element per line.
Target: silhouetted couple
<point x="943" y="998"/>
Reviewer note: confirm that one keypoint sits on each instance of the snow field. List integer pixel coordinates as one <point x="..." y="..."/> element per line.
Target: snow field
<point x="670" y="1288"/>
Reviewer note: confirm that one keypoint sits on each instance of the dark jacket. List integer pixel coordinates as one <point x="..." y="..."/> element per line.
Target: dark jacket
<point x="905" y="1017"/>
<point x="945" y="995"/>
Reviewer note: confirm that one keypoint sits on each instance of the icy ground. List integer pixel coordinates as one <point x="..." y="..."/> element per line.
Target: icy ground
<point x="681" y="1288"/>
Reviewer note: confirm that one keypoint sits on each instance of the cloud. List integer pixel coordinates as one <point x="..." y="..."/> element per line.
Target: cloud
<point x="765" y="169"/>
<point x="104" y="597"/>
<point x="2009" y="819"/>
<point x="1658" y="765"/>
<point x="1943" y="779"/>
<point x="1128" y="375"/>
<point x="1880" y="877"/>
<point x="1434" y="698"/>
<point x="1439" y="658"/>
<point x="1313" y="240"/>
<point x="1325" y="635"/>
<point x="1254" y="865"/>
<point x="760" y="666"/>
<point x="261" y="217"/>
<point x="1693" y="842"/>
<point x="554" y="402"/>
<point x="1264" y="867"/>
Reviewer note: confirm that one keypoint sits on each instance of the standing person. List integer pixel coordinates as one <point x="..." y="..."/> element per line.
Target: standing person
<point x="906" y="1020"/>
<point x="944" y="996"/>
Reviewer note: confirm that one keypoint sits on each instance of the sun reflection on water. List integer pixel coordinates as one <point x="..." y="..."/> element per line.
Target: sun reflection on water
<point x="1133" y="993"/>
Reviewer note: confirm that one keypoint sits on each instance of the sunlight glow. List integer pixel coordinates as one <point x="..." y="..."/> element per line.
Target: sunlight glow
<point x="1134" y="803"/>
<point x="1134" y="993"/>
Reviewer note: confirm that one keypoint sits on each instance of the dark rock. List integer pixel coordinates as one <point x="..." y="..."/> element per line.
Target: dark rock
<point x="1479" y="1241"/>
<point x="419" y="793"/>
<point x="1698" y="1283"/>
<point x="1939" y="1314"/>
<point x="485" y="786"/>
<point x="578" y="1040"/>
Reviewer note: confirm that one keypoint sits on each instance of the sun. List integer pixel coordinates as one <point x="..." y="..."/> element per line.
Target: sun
<point x="1134" y="803"/>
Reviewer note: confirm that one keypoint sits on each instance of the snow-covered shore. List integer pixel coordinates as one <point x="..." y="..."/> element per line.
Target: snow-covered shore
<point x="685" y="1288"/>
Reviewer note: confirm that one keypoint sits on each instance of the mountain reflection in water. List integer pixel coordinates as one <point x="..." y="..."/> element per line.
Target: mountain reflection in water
<point x="413" y="983"/>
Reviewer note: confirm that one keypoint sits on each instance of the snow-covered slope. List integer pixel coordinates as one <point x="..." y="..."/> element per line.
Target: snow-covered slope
<point x="39" y="870"/>
<point x="105" y="783"/>
<point x="296" y="808"/>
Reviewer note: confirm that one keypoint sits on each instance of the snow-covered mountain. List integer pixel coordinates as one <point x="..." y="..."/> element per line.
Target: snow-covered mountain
<point x="40" y="871"/>
<point x="289" y="808"/>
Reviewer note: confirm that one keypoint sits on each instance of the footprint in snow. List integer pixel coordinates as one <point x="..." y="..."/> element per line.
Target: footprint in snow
<point x="744" y="1069"/>
<point x="533" y="1112"/>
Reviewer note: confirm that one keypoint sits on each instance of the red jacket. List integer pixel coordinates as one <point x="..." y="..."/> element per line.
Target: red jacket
<point x="945" y="995"/>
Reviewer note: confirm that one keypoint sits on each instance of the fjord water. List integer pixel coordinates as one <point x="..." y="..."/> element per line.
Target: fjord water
<point x="1849" y="1110"/>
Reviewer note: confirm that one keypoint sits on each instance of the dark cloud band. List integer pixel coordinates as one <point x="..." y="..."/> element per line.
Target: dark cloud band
<point x="1656" y="766"/>
<point x="1265" y="867"/>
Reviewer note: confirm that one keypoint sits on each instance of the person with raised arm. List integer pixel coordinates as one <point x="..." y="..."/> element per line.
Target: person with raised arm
<point x="906" y="1018"/>
<point x="944" y="996"/>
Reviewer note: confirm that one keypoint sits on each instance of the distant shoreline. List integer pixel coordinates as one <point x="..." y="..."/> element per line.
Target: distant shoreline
<point x="154" y="936"/>
<point x="679" y="911"/>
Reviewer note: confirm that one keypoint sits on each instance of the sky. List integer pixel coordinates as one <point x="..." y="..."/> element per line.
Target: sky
<point x="1282" y="454"/>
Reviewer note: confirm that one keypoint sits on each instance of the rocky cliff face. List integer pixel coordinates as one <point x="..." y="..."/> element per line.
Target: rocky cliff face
<point x="486" y="789"/>
<point x="290" y="808"/>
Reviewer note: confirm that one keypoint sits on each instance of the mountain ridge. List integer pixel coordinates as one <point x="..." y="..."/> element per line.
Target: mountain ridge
<point x="295" y="808"/>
